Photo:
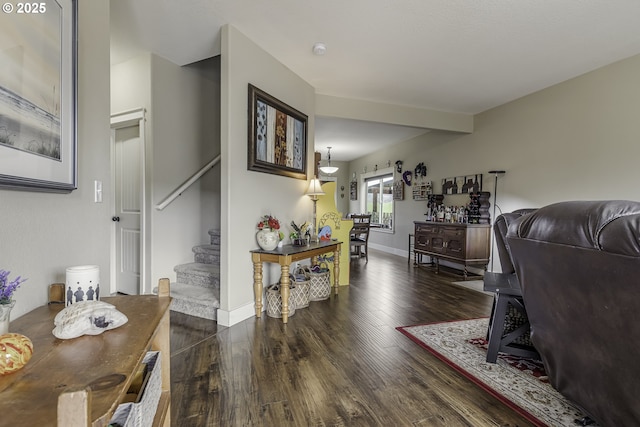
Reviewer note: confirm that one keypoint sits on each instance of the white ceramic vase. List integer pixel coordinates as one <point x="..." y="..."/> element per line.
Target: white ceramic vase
<point x="267" y="239"/>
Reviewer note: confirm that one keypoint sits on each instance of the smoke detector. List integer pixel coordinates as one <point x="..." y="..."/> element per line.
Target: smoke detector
<point x="319" y="49"/>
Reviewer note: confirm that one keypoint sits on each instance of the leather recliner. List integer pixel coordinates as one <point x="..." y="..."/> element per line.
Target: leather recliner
<point x="579" y="266"/>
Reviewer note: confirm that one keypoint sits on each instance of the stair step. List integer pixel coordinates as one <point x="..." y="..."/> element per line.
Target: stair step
<point x="207" y="254"/>
<point x="214" y="236"/>
<point x="194" y="300"/>
<point x="199" y="274"/>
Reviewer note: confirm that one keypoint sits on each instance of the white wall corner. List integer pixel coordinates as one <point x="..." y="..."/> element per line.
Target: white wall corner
<point x="230" y="318"/>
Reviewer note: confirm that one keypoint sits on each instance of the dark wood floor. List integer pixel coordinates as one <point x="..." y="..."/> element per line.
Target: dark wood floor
<point x="339" y="362"/>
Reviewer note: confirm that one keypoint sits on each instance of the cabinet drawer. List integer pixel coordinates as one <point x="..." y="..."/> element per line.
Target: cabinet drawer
<point x="428" y="228"/>
<point x="454" y="232"/>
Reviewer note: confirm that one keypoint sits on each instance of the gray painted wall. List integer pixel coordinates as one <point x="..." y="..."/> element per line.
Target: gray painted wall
<point x="183" y="134"/>
<point x="578" y="140"/>
<point x="575" y="140"/>
<point x="247" y="195"/>
<point x="43" y="234"/>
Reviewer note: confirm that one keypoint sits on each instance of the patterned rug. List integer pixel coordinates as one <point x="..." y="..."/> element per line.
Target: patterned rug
<point x="518" y="382"/>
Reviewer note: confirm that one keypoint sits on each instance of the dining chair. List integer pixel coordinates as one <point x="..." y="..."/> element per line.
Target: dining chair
<point x="359" y="235"/>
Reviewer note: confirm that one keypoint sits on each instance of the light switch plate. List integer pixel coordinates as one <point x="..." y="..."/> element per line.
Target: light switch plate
<point x="98" y="191"/>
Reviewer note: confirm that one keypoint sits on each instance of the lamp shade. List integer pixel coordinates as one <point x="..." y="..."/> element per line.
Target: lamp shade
<point x="315" y="189"/>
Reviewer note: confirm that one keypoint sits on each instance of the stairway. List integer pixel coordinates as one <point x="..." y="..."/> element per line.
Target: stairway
<point x="197" y="288"/>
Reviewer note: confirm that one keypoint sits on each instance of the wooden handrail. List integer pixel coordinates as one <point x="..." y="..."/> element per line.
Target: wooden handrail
<point x="178" y="191"/>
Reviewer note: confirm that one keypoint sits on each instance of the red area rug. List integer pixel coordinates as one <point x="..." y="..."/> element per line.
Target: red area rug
<point x="518" y="382"/>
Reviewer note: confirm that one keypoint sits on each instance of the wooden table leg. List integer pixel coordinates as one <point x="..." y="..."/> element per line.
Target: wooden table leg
<point x="257" y="282"/>
<point x="336" y="269"/>
<point x="284" y="291"/>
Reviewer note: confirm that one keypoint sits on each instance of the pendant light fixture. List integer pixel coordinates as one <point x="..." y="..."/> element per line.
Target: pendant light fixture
<point x="328" y="169"/>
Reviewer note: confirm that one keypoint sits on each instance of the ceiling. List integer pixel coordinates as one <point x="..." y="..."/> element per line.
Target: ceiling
<point x="462" y="56"/>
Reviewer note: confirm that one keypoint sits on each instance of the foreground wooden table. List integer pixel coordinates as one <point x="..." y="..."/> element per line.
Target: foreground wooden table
<point x="285" y="256"/>
<point x="81" y="381"/>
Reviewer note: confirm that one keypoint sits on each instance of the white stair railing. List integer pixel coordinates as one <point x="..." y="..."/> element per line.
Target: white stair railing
<point x="178" y="191"/>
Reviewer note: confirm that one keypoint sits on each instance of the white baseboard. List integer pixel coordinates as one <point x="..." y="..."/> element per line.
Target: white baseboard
<point x="387" y="249"/>
<point x="230" y="318"/>
<point x="405" y="254"/>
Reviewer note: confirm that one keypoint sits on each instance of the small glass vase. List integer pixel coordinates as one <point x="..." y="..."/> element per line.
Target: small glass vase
<point x="5" y="314"/>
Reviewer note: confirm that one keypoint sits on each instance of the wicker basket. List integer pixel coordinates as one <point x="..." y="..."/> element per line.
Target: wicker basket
<point x="274" y="301"/>
<point x="145" y="408"/>
<point x="123" y="416"/>
<point x="301" y="292"/>
<point x="320" y="283"/>
<point x="141" y="412"/>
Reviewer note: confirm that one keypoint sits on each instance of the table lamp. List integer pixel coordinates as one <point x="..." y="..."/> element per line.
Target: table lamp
<point x="313" y="191"/>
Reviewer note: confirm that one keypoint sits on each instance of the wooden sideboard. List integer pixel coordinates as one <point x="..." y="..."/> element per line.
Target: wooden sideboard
<point x="466" y="244"/>
<point x="80" y="382"/>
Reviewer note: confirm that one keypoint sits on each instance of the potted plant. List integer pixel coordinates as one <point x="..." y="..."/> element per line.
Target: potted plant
<point x="297" y="236"/>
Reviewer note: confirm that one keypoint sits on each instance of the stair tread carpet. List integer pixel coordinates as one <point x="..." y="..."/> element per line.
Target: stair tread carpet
<point x="197" y="268"/>
<point x="206" y="248"/>
<point x="194" y="300"/>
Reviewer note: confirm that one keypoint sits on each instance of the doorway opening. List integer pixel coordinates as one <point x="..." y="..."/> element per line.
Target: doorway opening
<point x="129" y="204"/>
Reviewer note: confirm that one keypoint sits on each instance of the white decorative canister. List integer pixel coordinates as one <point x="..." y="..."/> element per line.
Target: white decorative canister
<point x="82" y="284"/>
<point x="267" y="239"/>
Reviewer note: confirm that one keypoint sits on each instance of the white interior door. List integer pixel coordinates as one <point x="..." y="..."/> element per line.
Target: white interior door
<point x="128" y="208"/>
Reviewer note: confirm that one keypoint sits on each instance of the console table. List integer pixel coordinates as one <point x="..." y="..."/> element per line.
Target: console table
<point x="80" y="382"/>
<point x="466" y="244"/>
<point x="285" y="256"/>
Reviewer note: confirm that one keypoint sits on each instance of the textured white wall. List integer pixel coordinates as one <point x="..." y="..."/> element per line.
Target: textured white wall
<point x="575" y="140"/>
<point x="247" y="195"/>
<point x="183" y="134"/>
<point x="184" y="100"/>
<point x="43" y="234"/>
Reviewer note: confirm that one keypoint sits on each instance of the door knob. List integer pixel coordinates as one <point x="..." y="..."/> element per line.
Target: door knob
<point x="115" y="218"/>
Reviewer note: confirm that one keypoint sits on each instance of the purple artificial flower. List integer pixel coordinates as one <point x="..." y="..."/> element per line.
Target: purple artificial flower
<point x="8" y="288"/>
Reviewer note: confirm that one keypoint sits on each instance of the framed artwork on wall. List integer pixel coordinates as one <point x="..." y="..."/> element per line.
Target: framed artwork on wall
<point x="462" y="184"/>
<point x="422" y="190"/>
<point x="398" y="189"/>
<point x="353" y="190"/>
<point x="38" y="77"/>
<point x="277" y="136"/>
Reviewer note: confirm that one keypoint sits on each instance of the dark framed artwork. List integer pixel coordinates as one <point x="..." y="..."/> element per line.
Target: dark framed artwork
<point x="277" y="136"/>
<point x="353" y="190"/>
<point x="38" y="148"/>
<point x="462" y="184"/>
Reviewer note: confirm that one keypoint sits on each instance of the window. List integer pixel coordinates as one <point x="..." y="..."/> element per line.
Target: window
<point x="379" y="201"/>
